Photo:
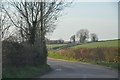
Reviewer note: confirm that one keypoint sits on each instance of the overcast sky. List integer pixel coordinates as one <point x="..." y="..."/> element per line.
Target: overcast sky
<point x="98" y="17"/>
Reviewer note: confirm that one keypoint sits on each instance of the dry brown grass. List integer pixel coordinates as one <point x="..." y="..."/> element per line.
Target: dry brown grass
<point x="101" y="54"/>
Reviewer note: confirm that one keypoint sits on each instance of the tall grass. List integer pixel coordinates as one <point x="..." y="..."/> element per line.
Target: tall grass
<point x="102" y="56"/>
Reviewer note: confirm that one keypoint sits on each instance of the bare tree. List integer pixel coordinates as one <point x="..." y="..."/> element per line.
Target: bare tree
<point x="34" y="20"/>
<point x="94" y="37"/>
<point x="4" y="23"/>
<point x="82" y="34"/>
<point x="72" y="38"/>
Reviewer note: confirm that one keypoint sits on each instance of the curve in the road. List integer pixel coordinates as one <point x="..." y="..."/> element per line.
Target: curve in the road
<point x="65" y="69"/>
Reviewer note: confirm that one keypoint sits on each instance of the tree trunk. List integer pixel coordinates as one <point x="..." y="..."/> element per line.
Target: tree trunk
<point x="40" y="45"/>
<point x="42" y="39"/>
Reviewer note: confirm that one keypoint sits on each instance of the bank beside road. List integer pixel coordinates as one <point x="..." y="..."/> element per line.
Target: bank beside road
<point x="101" y="53"/>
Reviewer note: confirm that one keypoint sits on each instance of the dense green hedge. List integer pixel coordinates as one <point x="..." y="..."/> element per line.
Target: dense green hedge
<point x="21" y="60"/>
<point x="19" y="55"/>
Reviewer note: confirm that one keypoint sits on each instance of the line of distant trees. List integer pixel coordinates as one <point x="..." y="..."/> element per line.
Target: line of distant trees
<point x="83" y="35"/>
<point x="59" y="41"/>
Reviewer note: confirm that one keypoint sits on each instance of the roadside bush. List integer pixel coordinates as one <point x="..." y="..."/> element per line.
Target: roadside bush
<point x="111" y="55"/>
<point x="93" y="54"/>
<point x="18" y="55"/>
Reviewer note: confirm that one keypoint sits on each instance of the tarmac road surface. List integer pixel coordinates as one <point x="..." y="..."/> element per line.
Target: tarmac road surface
<point x="66" y="69"/>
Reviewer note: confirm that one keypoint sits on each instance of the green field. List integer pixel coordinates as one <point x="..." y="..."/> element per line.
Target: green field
<point x="55" y="45"/>
<point x="102" y="44"/>
<point x="113" y="43"/>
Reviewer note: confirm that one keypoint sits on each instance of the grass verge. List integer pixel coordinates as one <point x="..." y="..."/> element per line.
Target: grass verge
<point x="56" y="55"/>
<point x="25" y="72"/>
